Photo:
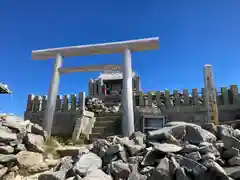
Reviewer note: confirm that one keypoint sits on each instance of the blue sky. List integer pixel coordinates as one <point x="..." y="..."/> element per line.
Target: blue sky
<point x="192" y="33"/>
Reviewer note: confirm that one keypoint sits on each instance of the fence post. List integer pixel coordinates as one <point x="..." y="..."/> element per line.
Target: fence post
<point x="186" y="97"/>
<point x="65" y="103"/>
<point x="82" y="101"/>
<point x="141" y="99"/>
<point x="36" y="106"/>
<point x="30" y="102"/>
<point x="73" y="102"/>
<point x="224" y="92"/>
<point x="177" y="97"/>
<point x="234" y="91"/>
<point x="149" y="99"/>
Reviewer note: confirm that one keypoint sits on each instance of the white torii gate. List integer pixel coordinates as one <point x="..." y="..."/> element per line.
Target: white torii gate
<point x="125" y="47"/>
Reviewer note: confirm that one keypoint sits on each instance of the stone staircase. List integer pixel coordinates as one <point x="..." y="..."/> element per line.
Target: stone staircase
<point x="106" y="125"/>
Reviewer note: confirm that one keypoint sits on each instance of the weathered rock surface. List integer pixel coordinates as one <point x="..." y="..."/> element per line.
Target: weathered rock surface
<point x="179" y="151"/>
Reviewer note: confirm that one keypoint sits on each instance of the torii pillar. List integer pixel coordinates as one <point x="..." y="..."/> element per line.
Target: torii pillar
<point x="125" y="47"/>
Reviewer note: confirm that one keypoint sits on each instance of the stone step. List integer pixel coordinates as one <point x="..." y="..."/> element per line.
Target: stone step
<point x="95" y="136"/>
<point x="100" y="123"/>
<point x="108" y="115"/>
<point x="103" y="130"/>
<point x="107" y="118"/>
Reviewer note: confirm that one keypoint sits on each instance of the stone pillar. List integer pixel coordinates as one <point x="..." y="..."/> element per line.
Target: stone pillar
<point x="90" y="87"/>
<point x="58" y="103"/>
<point x="73" y="102"/>
<point x="224" y="91"/>
<point x="52" y="95"/>
<point x="95" y="87"/>
<point x="30" y="102"/>
<point x="127" y="96"/>
<point x="186" y="96"/>
<point x="149" y="99"/>
<point x="65" y="103"/>
<point x="44" y="102"/>
<point x="36" y="106"/>
<point x="137" y="84"/>
<point x="99" y="87"/>
<point x="82" y="101"/>
<point x="210" y="94"/>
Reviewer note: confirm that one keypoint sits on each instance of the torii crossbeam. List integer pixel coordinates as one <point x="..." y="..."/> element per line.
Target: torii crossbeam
<point x="125" y="47"/>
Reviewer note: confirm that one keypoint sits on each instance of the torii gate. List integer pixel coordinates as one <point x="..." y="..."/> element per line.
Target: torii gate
<point x="125" y="47"/>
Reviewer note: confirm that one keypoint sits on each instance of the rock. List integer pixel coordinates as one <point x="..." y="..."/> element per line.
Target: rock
<point x="206" y="147"/>
<point x="147" y="169"/>
<point x="59" y="175"/>
<point x="194" y="166"/>
<point x="31" y="161"/>
<point x="132" y="147"/>
<point x="65" y="164"/>
<point x="210" y="127"/>
<point x="3" y="171"/>
<point x="36" y="129"/>
<point x="196" y="135"/>
<point x="34" y="142"/>
<point x="234" y="161"/>
<point x="181" y="175"/>
<point x="196" y="156"/>
<point x="209" y="156"/>
<point x="167" y="148"/>
<point x="151" y="158"/>
<point x="71" y="150"/>
<point x="188" y="148"/>
<point x="14" y="168"/>
<point x="229" y="153"/>
<point x="230" y="141"/>
<point x="7" y="136"/>
<point x="135" y="175"/>
<point x="20" y="147"/>
<point x="177" y="131"/>
<point x="216" y="169"/>
<point x="87" y="163"/>
<point x="76" y="177"/>
<point x="235" y="174"/>
<point x="224" y="131"/>
<point x="5" y="158"/>
<point x="220" y="161"/>
<point x="173" y="165"/>
<point x="135" y="159"/>
<point x="120" y="169"/>
<point x="113" y="149"/>
<point x="9" y="176"/>
<point x="162" y="171"/>
<point x="6" y="149"/>
<point x="236" y="133"/>
<point x="138" y="137"/>
<point x="97" y="174"/>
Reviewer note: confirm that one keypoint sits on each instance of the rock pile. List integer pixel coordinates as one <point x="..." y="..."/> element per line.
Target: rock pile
<point x="97" y="106"/>
<point x="21" y="147"/>
<point x="179" y="151"/>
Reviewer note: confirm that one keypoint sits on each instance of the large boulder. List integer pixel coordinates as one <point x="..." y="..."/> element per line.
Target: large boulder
<point x="6" y="136"/>
<point x="97" y="174"/>
<point x="34" y="142"/>
<point x="162" y="171"/>
<point x="32" y="162"/>
<point x="87" y="163"/>
<point x="196" y="135"/>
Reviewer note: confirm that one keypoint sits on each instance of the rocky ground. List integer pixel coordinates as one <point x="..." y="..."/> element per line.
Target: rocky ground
<point x="179" y="151"/>
<point x="97" y="106"/>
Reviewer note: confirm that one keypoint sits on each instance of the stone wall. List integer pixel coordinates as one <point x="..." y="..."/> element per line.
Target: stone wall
<point x="68" y="109"/>
<point x="190" y="107"/>
<point x="186" y="106"/>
